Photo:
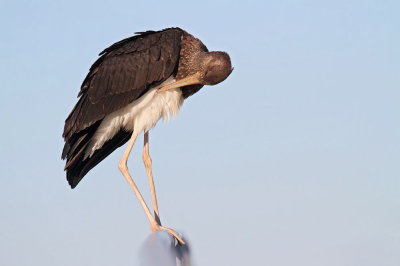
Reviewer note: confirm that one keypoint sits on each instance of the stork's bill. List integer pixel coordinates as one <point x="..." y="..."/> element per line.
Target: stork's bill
<point x="190" y="80"/>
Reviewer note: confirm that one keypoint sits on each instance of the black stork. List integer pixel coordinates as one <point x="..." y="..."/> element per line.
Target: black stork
<point x="134" y="83"/>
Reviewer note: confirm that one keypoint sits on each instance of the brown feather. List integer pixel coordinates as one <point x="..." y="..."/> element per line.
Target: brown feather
<point x="123" y="73"/>
<point x="124" y="69"/>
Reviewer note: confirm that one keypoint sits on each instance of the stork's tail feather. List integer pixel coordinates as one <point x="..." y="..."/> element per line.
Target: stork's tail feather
<point x="77" y="166"/>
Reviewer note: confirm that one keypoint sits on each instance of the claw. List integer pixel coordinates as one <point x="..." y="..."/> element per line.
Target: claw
<point x="156" y="227"/>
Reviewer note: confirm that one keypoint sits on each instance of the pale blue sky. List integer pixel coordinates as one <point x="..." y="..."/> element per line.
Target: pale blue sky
<point x="293" y="160"/>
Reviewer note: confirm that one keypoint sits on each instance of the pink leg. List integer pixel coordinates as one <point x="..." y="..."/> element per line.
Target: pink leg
<point x="148" y="165"/>
<point x="123" y="167"/>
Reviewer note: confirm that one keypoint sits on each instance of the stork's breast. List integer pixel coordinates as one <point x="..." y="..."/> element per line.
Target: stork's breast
<point x="140" y="115"/>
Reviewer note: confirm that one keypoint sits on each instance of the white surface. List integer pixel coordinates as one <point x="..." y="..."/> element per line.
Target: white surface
<point x="161" y="249"/>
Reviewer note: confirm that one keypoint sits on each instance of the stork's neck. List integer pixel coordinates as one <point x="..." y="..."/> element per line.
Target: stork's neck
<point x="191" y="48"/>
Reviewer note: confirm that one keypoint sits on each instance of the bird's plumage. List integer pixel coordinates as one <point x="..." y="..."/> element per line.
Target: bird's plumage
<point x="122" y="93"/>
<point x="124" y="72"/>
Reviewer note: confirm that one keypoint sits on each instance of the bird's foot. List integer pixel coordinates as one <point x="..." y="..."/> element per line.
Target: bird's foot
<point x="156" y="227"/>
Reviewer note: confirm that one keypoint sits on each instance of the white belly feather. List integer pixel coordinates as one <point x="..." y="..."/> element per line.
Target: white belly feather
<point x="140" y="115"/>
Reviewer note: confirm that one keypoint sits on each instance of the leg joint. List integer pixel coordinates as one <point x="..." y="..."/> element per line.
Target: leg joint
<point x="122" y="166"/>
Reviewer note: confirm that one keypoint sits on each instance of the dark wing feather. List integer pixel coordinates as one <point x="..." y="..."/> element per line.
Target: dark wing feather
<point x="123" y="73"/>
<point x="78" y="167"/>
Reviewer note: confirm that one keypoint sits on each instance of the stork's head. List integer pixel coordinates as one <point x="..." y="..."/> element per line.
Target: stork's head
<point x="208" y="68"/>
<point x="214" y="67"/>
